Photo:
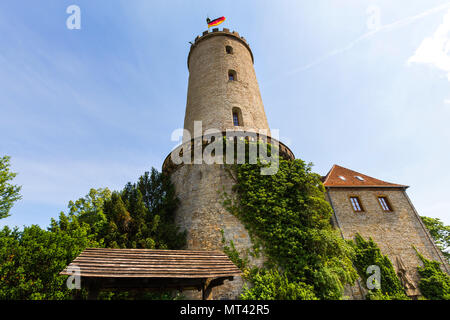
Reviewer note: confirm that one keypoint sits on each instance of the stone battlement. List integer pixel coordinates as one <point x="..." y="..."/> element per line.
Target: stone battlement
<point x="216" y="32"/>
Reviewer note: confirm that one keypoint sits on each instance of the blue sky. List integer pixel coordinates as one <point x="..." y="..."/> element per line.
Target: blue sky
<point x="96" y="107"/>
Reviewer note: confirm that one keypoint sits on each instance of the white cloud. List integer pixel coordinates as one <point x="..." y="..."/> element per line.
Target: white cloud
<point x="384" y="28"/>
<point x="435" y="50"/>
<point x="447" y="101"/>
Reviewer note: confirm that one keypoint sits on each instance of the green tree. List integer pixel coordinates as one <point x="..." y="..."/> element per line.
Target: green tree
<point x="30" y="260"/>
<point x="272" y="285"/>
<point x="142" y="215"/>
<point x="9" y="193"/>
<point x="440" y="233"/>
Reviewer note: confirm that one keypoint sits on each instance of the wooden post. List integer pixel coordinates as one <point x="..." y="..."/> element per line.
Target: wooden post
<point x="93" y="290"/>
<point x="207" y="290"/>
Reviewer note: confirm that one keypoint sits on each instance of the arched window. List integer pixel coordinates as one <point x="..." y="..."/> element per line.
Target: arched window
<point x="237" y="117"/>
<point x="232" y="76"/>
<point x="229" y="49"/>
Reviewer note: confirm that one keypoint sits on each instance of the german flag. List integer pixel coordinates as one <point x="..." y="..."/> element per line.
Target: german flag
<point x="215" y="22"/>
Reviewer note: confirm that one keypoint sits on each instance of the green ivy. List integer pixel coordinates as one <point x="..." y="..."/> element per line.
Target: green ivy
<point x="288" y="216"/>
<point x="434" y="283"/>
<point x="367" y="253"/>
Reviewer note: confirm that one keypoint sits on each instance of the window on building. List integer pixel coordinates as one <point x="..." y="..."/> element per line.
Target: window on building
<point x="232" y="75"/>
<point x="237" y="117"/>
<point x="356" y="204"/>
<point x="229" y="49"/>
<point x="359" y="178"/>
<point x="384" y="203"/>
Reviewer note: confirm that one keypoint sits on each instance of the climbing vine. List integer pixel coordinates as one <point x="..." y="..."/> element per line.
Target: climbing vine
<point x="368" y="253"/>
<point x="434" y="283"/>
<point x="289" y="216"/>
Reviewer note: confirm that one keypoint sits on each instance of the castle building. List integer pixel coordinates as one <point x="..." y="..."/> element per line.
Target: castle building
<point x="223" y="94"/>
<point x="382" y="211"/>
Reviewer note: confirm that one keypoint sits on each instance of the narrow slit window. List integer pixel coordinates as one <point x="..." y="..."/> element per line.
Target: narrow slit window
<point x="385" y="205"/>
<point x="237" y="117"/>
<point x="232" y="75"/>
<point x="356" y="204"/>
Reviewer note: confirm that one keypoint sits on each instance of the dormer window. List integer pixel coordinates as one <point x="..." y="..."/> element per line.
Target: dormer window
<point x="232" y="75"/>
<point x="359" y="178"/>
<point x="229" y="49"/>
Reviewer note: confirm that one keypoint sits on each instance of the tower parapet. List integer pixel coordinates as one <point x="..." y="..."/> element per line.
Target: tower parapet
<point x="216" y="32"/>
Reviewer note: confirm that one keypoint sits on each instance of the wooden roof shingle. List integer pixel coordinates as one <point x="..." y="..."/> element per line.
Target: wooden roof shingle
<point x="148" y="263"/>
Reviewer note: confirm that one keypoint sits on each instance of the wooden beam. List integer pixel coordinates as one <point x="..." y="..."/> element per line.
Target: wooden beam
<point x="207" y="290"/>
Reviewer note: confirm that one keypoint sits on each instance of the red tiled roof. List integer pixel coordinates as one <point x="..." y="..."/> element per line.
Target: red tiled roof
<point x="333" y="179"/>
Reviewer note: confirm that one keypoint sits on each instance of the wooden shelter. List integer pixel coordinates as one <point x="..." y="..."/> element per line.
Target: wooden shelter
<point x="146" y="269"/>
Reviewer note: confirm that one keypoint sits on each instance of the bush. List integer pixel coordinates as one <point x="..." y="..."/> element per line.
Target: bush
<point x="272" y="285"/>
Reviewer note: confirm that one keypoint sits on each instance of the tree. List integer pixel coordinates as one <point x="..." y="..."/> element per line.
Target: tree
<point x="9" y="193"/>
<point x="139" y="216"/>
<point x="440" y="234"/>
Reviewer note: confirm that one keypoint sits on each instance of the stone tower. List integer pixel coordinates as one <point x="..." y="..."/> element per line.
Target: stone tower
<point x="223" y="94"/>
<point x="222" y="84"/>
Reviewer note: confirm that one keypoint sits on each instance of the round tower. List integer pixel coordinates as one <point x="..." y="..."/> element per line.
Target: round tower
<point x="223" y="91"/>
<point x="223" y="94"/>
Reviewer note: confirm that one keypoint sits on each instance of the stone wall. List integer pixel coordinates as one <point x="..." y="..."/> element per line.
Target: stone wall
<point x="201" y="213"/>
<point x="395" y="232"/>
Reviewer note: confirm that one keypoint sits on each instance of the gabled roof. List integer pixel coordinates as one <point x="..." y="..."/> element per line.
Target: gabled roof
<point x="342" y="177"/>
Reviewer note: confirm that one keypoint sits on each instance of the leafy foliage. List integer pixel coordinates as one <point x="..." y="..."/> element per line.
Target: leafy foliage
<point x="30" y="261"/>
<point x="434" y="283"/>
<point x="367" y="253"/>
<point x="440" y="234"/>
<point x="9" y="193"/>
<point x="140" y="216"/>
<point x="288" y="216"/>
<point x="273" y="285"/>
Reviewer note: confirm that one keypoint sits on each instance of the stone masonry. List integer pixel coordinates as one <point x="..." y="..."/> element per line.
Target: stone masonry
<point x="211" y="96"/>
<point x="395" y="231"/>
<point x="222" y="81"/>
